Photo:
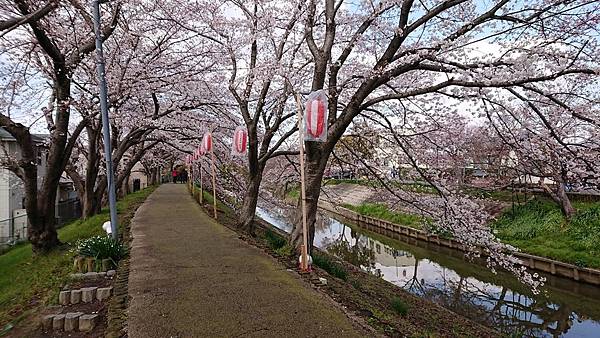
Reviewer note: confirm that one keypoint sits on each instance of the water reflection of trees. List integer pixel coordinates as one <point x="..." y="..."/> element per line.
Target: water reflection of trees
<point x="352" y="251"/>
<point x="504" y="310"/>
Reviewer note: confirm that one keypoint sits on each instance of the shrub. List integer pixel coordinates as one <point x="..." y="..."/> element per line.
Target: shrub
<point x="102" y="247"/>
<point x="330" y="266"/>
<point x="286" y="250"/>
<point x="274" y="240"/>
<point x="399" y="306"/>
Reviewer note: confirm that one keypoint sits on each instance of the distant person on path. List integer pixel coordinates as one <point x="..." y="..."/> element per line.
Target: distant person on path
<point x="184" y="176"/>
<point x="174" y="176"/>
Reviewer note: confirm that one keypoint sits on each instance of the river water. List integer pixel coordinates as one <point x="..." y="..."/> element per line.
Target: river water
<point x="565" y="308"/>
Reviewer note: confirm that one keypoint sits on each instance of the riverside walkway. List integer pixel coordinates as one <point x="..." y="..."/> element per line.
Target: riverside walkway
<point x="192" y="277"/>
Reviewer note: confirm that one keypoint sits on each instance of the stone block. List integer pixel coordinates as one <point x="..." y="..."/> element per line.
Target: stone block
<point x="72" y="321"/>
<point x="47" y="322"/>
<point x="90" y="264"/>
<point x="87" y="322"/>
<point x="58" y="322"/>
<point x="111" y="273"/>
<point x="106" y="264"/>
<point x="88" y="294"/>
<point x="75" y="296"/>
<point x="78" y="264"/>
<point x="103" y="293"/>
<point x="102" y="274"/>
<point x="77" y="276"/>
<point x="64" y="297"/>
<point x="90" y="275"/>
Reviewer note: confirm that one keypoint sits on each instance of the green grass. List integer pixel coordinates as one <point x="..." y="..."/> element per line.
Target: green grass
<point x="399" y="306"/>
<point x="274" y="241"/>
<point x="27" y="280"/>
<point x="327" y="264"/>
<point x="293" y="194"/>
<point x="207" y="198"/>
<point x="381" y="211"/>
<point x="538" y="227"/>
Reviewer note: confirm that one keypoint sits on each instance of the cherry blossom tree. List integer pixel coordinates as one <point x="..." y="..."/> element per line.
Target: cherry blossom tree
<point x="55" y="45"/>
<point x="259" y="45"/>
<point x="550" y="143"/>
<point x="376" y="57"/>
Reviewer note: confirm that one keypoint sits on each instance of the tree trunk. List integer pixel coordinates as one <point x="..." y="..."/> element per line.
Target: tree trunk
<point x="565" y="203"/>
<point x="250" y="201"/>
<point x="91" y="204"/>
<point x="42" y="227"/>
<point x="316" y="160"/>
<point x="42" y="235"/>
<point x="561" y="198"/>
<point x="255" y="172"/>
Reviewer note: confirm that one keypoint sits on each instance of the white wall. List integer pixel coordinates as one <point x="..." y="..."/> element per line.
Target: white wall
<point x="4" y="202"/>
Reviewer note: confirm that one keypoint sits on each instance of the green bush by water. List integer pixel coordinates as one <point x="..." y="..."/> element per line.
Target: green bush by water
<point x="538" y="227"/>
<point x="330" y="266"/>
<point x="274" y="241"/>
<point x="286" y="250"/>
<point x="381" y="211"/>
<point x="399" y="306"/>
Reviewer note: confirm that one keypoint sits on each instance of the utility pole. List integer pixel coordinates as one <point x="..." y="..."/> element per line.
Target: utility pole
<point x="112" y="194"/>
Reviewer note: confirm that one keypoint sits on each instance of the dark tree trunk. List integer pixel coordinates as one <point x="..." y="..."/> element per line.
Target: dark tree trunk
<point x="560" y="197"/>
<point x="250" y="201"/>
<point x="255" y="172"/>
<point x="565" y="203"/>
<point x="42" y="229"/>
<point x="316" y="160"/>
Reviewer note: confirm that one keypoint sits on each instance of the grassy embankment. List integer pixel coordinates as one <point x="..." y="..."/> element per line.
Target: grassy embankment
<point x="28" y="281"/>
<point x="539" y="228"/>
<point x="381" y="211"/>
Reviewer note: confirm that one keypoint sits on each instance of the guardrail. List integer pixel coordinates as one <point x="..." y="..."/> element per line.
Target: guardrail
<point x="548" y="265"/>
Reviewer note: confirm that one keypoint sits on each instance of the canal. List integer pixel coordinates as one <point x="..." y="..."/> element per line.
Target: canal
<point x="565" y="308"/>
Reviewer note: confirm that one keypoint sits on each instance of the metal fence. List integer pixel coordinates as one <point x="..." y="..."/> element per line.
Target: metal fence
<point x="68" y="211"/>
<point x="13" y="231"/>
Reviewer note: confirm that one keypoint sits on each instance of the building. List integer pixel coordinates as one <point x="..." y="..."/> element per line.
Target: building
<point x="13" y="216"/>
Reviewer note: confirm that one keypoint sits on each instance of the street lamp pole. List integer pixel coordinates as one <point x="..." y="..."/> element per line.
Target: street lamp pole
<point x="112" y="194"/>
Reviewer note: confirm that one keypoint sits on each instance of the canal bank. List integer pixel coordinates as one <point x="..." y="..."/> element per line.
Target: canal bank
<point x="440" y="274"/>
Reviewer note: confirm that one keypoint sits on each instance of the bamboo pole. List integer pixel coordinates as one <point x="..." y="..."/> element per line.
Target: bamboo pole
<point x="304" y="264"/>
<point x="212" y="160"/>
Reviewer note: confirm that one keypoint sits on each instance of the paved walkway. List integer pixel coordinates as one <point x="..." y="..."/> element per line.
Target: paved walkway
<point x="192" y="277"/>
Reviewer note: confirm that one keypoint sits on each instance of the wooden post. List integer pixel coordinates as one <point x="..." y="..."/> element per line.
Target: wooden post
<point x="304" y="265"/>
<point x="201" y="192"/>
<point x="212" y="160"/>
<point x="191" y="177"/>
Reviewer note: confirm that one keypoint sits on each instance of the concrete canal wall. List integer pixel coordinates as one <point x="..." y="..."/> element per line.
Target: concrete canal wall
<point x="547" y="265"/>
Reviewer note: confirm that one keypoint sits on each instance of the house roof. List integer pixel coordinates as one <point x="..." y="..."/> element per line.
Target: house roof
<point x="37" y="138"/>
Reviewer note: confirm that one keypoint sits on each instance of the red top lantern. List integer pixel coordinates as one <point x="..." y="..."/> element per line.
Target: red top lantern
<point x="240" y="141"/>
<point x="315" y="117"/>
<point x="207" y="142"/>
